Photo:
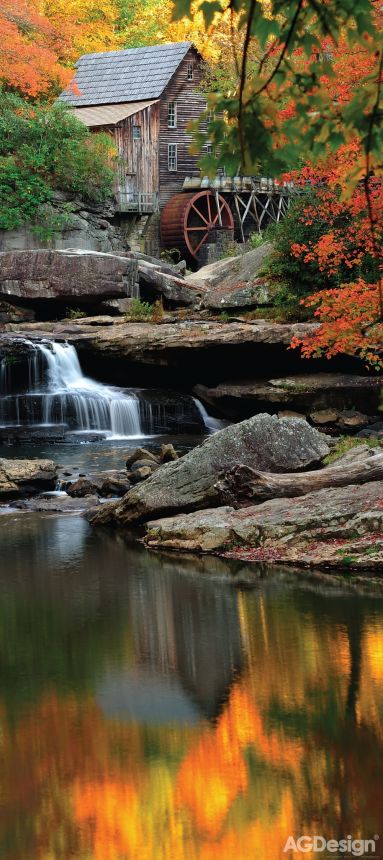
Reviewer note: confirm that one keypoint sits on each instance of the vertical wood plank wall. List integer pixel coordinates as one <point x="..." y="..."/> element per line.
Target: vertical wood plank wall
<point x="143" y="164"/>
<point x="190" y="104"/>
<point x="138" y="159"/>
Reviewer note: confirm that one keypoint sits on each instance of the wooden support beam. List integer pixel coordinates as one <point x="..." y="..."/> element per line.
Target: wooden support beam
<point x="239" y="216"/>
<point x="219" y="210"/>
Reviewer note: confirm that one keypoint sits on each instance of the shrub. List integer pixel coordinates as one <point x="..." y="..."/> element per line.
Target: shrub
<point x="140" y="310"/>
<point x="75" y="314"/>
<point x="43" y="148"/>
<point x="21" y="193"/>
<point x="300" y="275"/>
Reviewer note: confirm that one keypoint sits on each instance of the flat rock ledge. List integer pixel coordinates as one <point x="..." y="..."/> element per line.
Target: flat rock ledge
<point x="26" y="476"/>
<point x="337" y="528"/>
<point x="64" y="275"/>
<point x="147" y="342"/>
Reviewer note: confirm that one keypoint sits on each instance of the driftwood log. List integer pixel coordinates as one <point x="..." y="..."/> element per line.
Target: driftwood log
<point x="243" y="486"/>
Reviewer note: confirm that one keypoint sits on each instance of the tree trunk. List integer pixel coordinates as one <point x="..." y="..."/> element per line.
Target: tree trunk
<point x="243" y="486"/>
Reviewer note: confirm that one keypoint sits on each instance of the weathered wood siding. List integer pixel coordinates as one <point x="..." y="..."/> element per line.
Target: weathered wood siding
<point x="190" y="104"/>
<point x="138" y="159"/>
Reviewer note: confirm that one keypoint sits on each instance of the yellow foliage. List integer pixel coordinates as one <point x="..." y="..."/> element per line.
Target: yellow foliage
<point x="153" y="24"/>
<point x="88" y="25"/>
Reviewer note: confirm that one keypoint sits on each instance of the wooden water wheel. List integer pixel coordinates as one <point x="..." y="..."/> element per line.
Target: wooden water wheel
<point x="188" y="218"/>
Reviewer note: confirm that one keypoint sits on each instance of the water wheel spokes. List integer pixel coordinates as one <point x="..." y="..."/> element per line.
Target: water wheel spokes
<point x="188" y="219"/>
<point x="202" y="217"/>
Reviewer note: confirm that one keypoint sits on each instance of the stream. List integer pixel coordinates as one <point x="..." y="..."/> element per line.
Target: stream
<point x="165" y="707"/>
<point x="146" y="701"/>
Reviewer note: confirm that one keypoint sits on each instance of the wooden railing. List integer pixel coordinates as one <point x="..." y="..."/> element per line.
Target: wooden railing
<point x="140" y="202"/>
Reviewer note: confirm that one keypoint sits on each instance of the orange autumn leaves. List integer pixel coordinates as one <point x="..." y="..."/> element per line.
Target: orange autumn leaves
<point x="30" y="48"/>
<point x="186" y="816"/>
<point x="41" y="40"/>
<point x="349" y="324"/>
<point x="349" y="254"/>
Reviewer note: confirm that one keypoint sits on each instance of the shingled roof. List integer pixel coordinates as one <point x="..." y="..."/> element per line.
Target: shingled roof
<point x="136" y="74"/>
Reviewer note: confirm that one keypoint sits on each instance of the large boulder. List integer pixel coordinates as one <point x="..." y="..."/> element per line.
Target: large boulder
<point x="339" y="528"/>
<point x="263" y="442"/>
<point x="90" y="227"/>
<point x="83" y="276"/>
<point x="235" y="282"/>
<point x="26" y="476"/>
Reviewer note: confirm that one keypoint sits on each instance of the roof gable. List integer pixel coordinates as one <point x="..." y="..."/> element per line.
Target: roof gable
<point x="136" y="74"/>
<point x="100" y="115"/>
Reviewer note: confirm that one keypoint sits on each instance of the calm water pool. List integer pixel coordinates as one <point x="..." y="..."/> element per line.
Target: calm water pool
<point x="149" y="710"/>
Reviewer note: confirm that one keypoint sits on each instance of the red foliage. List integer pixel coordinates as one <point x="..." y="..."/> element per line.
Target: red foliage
<point x="349" y="324"/>
<point x="30" y="46"/>
<point x="349" y="316"/>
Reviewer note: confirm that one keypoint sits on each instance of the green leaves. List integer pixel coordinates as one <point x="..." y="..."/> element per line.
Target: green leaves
<point x="42" y="148"/>
<point x="288" y="103"/>
<point x="21" y="193"/>
<point x="209" y="9"/>
<point x="182" y="8"/>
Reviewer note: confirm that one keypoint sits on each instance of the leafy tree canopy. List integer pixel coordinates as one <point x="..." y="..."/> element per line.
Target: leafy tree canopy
<point x="306" y="92"/>
<point x="44" y="148"/>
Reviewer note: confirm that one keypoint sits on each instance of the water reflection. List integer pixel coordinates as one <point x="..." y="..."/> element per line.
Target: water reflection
<point x="150" y="711"/>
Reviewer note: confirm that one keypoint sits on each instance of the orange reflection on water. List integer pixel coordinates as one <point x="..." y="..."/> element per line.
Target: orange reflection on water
<point x="109" y="813"/>
<point x="214" y="772"/>
<point x="281" y="756"/>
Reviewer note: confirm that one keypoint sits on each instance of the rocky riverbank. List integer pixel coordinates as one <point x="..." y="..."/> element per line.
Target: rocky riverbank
<point x="196" y="355"/>
<point x="331" y="516"/>
<point x="19" y="477"/>
<point x="338" y="528"/>
<point x="265" y="490"/>
<point x="236" y="363"/>
<point x="262" y="489"/>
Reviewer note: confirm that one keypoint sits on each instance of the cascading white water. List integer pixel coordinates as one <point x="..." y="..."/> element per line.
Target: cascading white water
<point x="96" y="406"/>
<point x="211" y="424"/>
<point x="61" y="394"/>
<point x="55" y="394"/>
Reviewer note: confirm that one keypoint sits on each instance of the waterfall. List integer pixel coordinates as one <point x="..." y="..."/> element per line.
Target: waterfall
<point x="46" y="392"/>
<point x="4" y="377"/>
<point x="59" y="394"/>
<point x="211" y="424"/>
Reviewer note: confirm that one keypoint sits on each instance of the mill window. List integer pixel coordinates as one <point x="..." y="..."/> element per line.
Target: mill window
<point x="136" y="132"/>
<point x="172" y="115"/>
<point x="190" y="71"/>
<point x="172" y="156"/>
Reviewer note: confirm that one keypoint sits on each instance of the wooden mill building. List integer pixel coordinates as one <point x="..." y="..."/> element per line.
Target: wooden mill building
<point x="145" y="98"/>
